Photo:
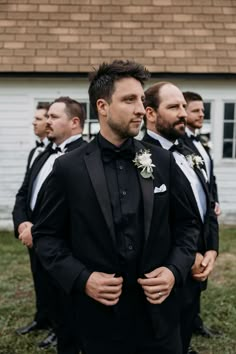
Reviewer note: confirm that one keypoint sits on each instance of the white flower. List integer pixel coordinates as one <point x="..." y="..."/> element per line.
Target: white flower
<point x="195" y="161"/>
<point x="143" y="160"/>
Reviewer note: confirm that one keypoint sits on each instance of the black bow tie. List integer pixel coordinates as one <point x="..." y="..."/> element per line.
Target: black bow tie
<point x="180" y="148"/>
<point x="54" y="151"/>
<point x="39" y="143"/>
<point x="114" y="154"/>
<point x="195" y="137"/>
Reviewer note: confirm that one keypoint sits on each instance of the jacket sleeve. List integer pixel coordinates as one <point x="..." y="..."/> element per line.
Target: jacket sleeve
<point x="19" y="212"/>
<point x="50" y="233"/>
<point x="185" y="226"/>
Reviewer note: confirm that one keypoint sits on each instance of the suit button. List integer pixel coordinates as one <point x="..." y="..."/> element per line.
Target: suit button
<point x="130" y="247"/>
<point x="123" y="193"/>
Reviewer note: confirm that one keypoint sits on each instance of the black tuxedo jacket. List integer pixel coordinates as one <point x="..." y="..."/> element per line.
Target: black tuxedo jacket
<point x="209" y="236"/>
<point x="213" y="186"/>
<point x="31" y="153"/>
<point x="75" y="231"/>
<point x="21" y="211"/>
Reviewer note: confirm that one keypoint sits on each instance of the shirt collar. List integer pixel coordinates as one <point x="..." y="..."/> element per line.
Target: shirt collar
<point x="105" y="144"/>
<point x="67" y="141"/>
<point x="189" y="132"/>
<point x="166" y="144"/>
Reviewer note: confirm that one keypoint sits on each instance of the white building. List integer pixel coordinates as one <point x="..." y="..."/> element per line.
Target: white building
<point x="18" y="99"/>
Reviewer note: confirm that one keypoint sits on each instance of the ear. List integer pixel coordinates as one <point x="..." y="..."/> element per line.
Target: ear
<point x="75" y="122"/>
<point x="102" y="106"/>
<point x="151" y="114"/>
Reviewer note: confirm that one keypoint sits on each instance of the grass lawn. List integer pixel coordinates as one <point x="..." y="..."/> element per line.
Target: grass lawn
<point x="17" y="302"/>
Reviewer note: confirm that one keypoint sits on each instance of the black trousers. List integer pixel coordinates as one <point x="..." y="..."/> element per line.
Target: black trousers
<point x="42" y="291"/>
<point x="138" y="337"/>
<point x="189" y="309"/>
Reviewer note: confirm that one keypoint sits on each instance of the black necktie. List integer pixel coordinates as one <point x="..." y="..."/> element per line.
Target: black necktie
<point x="114" y="154"/>
<point x="39" y="143"/>
<point x="195" y="137"/>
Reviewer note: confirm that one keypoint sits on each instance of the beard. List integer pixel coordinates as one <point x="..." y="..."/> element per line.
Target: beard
<point x="172" y="133"/>
<point x="123" y="131"/>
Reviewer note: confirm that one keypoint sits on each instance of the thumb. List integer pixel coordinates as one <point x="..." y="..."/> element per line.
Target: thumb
<point x="205" y="261"/>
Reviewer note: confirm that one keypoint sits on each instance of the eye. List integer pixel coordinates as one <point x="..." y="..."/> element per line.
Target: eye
<point x="129" y="99"/>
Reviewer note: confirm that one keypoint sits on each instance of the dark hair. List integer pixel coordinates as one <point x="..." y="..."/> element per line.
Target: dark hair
<point x="43" y="105"/>
<point x="73" y="108"/>
<point x="192" y="96"/>
<point x="152" y="96"/>
<point x="102" y="81"/>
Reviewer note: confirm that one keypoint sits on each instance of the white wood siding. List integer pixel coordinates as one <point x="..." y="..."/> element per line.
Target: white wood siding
<point x="18" y="98"/>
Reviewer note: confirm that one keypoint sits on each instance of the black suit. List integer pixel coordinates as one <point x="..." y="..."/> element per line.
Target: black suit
<point x="212" y="182"/>
<point x="77" y="237"/>
<point x="208" y="240"/>
<point x="22" y="212"/>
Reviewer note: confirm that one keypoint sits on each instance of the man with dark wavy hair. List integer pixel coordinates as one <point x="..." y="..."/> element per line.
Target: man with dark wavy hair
<point x="117" y="235"/>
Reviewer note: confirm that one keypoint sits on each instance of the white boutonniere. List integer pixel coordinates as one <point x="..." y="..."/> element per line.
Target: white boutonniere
<point x="197" y="161"/>
<point x="144" y="162"/>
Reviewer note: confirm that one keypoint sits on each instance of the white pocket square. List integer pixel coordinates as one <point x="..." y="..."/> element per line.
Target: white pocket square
<point x="160" y="189"/>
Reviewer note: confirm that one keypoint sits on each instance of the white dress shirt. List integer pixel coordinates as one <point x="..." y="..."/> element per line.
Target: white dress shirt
<point x="47" y="168"/>
<point x="188" y="171"/>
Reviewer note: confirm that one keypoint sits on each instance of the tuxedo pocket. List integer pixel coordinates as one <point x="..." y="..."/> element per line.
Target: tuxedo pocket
<point x="160" y="189"/>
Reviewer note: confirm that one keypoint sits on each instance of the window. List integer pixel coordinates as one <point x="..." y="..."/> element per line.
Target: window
<point x="229" y="134"/>
<point x="91" y="126"/>
<point x="205" y="131"/>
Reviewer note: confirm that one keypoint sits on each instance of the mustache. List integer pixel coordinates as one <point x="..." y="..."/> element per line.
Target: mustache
<point x="48" y="127"/>
<point x="181" y="120"/>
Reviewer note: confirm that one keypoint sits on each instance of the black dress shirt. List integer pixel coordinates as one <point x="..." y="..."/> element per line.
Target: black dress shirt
<point x="126" y="202"/>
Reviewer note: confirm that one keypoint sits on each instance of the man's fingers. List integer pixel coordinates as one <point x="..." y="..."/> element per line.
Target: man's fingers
<point x="150" y="281"/>
<point x="108" y="302"/>
<point x="110" y="296"/>
<point x="111" y="289"/>
<point x="156" y="301"/>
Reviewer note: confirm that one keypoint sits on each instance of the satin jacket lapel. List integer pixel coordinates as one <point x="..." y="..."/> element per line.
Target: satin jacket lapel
<point x="36" y="167"/>
<point x="96" y="173"/>
<point x="202" y="180"/>
<point x="148" y="195"/>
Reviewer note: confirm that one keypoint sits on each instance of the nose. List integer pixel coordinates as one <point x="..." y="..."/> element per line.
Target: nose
<point x="139" y="108"/>
<point x="48" y="120"/>
<point x="182" y="112"/>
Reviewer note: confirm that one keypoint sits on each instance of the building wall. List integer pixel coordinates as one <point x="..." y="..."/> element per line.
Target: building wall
<point x="18" y="98"/>
<point x="188" y="36"/>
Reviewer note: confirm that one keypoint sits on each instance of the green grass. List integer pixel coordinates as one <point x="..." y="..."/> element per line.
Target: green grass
<point x="17" y="299"/>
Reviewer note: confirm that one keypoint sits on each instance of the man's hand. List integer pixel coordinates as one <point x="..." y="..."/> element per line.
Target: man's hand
<point x="157" y="285"/>
<point x="25" y="235"/>
<point x="217" y="209"/>
<point x="23" y="226"/>
<point x="197" y="266"/>
<point x="104" y="288"/>
<point x="208" y="264"/>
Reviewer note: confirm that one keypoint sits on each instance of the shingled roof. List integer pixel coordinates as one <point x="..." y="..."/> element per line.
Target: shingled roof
<point x="175" y="36"/>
